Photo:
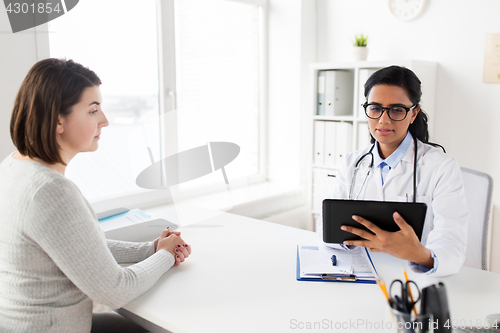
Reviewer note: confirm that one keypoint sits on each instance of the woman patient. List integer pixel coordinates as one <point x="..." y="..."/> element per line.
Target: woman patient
<point x="54" y="259"/>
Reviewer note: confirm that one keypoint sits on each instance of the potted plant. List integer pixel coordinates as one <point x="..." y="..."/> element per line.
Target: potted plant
<point x="360" y="50"/>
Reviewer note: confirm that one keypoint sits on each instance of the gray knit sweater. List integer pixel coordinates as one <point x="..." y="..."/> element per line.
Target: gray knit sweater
<point x="54" y="259"/>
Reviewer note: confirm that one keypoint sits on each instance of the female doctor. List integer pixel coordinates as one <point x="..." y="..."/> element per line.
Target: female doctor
<point x="386" y="170"/>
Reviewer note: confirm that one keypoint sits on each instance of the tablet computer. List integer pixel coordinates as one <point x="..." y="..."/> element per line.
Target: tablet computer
<point x="339" y="212"/>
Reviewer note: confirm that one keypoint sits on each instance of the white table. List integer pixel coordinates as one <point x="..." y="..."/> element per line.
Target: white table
<point x="241" y="277"/>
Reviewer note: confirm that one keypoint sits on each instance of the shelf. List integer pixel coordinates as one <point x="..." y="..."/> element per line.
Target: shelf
<point x="369" y="64"/>
<point x="318" y="166"/>
<point x="334" y="118"/>
<point x="340" y="118"/>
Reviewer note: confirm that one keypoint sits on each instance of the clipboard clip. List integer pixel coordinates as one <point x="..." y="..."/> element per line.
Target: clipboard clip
<point x="335" y="277"/>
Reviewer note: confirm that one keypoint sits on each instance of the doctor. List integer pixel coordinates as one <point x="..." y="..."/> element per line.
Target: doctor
<point x="386" y="173"/>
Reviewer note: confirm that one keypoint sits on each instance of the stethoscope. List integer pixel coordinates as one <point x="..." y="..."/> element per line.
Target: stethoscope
<point x="370" y="152"/>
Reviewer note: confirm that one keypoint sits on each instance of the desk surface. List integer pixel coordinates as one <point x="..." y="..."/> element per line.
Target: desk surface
<point x="241" y="278"/>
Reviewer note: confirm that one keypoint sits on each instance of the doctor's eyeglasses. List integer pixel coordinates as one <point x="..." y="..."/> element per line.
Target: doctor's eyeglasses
<point x="396" y="113"/>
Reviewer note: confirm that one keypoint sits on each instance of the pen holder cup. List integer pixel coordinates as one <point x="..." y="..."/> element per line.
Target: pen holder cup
<point x="403" y="322"/>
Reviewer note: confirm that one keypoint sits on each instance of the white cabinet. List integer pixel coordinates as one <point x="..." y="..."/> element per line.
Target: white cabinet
<point x="324" y="181"/>
<point x="338" y="122"/>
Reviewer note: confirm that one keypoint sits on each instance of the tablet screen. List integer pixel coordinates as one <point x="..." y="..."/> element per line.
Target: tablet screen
<point x="339" y="212"/>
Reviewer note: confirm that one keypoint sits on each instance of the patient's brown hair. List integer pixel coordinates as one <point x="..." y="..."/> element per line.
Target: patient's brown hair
<point x="50" y="89"/>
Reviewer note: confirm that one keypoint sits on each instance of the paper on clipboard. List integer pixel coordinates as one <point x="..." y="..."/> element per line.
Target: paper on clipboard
<point x="124" y="219"/>
<point x="314" y="263"/>
<point x="316" y="260"/>
<point x="132" y="225"/>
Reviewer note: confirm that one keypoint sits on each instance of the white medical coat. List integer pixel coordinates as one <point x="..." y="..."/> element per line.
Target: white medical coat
<point x="439" y="185"/>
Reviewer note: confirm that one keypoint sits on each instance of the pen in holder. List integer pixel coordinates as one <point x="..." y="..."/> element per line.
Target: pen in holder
<point x="402" y="301"/>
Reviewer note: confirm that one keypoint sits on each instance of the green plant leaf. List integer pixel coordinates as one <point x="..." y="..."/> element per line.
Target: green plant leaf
<point x="361" y="40"/>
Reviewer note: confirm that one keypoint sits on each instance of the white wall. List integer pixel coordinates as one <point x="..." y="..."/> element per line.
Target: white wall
<point x="292" y="47"/>
<point x="17" y="54"/>
<point x="284" y="89"/>
<point x="451" y="33"/>
<point x="308" y="56"/>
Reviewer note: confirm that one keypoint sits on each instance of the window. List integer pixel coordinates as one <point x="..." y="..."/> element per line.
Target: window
<point x="122" y="49"/>
<point x="218" y="76"/>
<point x="210" y="91"/>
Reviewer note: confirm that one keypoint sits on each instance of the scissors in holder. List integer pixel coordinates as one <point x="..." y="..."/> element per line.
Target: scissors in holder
<point x="402" y="299"/>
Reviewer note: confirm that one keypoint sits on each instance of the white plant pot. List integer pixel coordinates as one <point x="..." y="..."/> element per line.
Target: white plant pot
<point x="360" y="53"/>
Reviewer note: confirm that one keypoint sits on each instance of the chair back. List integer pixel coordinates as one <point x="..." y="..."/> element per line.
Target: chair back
<point x="478" y="190"/>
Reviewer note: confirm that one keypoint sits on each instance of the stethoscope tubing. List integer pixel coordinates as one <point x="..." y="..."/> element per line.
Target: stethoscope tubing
<point x="370" y="152"/>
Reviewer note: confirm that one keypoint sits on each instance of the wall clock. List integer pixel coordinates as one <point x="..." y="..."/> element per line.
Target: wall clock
<point x="406" y="9"/>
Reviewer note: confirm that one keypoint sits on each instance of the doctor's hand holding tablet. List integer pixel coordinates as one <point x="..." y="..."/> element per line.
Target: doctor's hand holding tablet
<point x="402" y="244"/>
<point x="402" y="165"/>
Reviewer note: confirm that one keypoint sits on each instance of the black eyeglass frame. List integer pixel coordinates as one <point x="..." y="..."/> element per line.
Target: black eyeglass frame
<point x="366" y="104"/>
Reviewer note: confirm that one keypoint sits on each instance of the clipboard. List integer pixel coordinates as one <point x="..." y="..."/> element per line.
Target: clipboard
<point x="352" y="278"/>
<point x="131" y="225"/>
<point x="337" y="212"/>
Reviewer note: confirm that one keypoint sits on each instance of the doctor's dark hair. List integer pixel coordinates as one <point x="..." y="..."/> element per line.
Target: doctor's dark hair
<point x="406" y="79"/>
<point x="51" y="88"/>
